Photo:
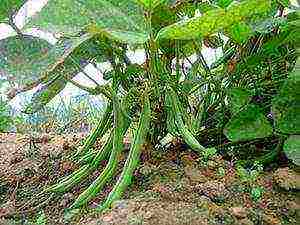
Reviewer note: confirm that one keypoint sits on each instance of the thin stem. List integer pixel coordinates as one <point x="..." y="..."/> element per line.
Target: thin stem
<point x="82" y="71"/>
<point x="100" y="89"/>
<point x="13" y="25"/>
<point x="202" y="59"/>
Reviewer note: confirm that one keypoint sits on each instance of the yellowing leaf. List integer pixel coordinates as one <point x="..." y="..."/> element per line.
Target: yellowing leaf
<point x="216" y="20"/>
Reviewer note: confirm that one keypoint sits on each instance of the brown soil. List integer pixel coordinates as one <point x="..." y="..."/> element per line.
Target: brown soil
<point x="172" y="187"/>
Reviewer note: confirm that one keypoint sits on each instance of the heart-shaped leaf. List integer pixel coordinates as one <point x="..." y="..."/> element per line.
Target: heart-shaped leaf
<point x="292" y="148"/>
<point x="248" y="124"/>
<point x="285" y="105"/>
<point x="75" y="55"/>
<point x="27" y="59"/>
<point x="123" y="19"/>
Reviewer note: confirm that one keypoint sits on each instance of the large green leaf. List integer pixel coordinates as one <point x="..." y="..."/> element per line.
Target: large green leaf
<point x="72" y="54"/>
<point x="10" y="7"/>
<point x="216" y="20"/>
<point x="292" y="148"/>
<point x="240" y="32"/>
<point x="77" y="53"/>
<point x="248" y="124"/>
<point x="123" y="19"/>
<point x="238" y="97"/>
<point x="23" y="58"/>
<point x="286" y="105"/>
<point x="29" y="59"/>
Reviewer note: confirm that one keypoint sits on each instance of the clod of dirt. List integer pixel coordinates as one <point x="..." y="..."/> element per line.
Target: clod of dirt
<point x="245" y="222"/>
<point x="67" y="166"/>
<point x="215" y="190"/>
<point x="147" y="168"/>
<point x="66" y="200"/>
<point x="293" y="209"/>
<point x="187" y="159"/>
<point x="270" y="220"/>
<point x="287" y="179"/>
<point x="194" y="174"/>
<point x="7" y="208"/>
<point x="239" y="212"/>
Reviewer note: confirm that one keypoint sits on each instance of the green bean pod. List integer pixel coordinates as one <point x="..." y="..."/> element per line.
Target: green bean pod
<point x="111" y="167"/>
<point x="70" y="181"/>
<point x="102" y="127"/>
<point x="171" y="126"/>
<point x="87" y="158"/>
<point x="77" y="176"/>
<point x="182" y="128"/>
<point x="133" y="157"/>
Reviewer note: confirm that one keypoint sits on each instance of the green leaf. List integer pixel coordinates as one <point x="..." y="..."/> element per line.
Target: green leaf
<point x="224" y="3"/>
<point x="285" y="106"/>
<point x="30" y="59"/>
<point x="267" y="25"/>
<point x="216" y="20"/>
<point x="10" y="7"/>
<point x="292" y="148"/>
<point x="248" y="124"/>
<point x="256" y="193"/>
<point x="161" y="17"/>
<point x="45" y="94"/>
<point x="240" y="32"/>
<point x="23" y="58"/>
<point x="77" y="53"/>
<point x="123" y="19"/>
<point x="150" y="4"/>
<point x="5" y="116"/>
<point x="41" y="219"/>
<point x="72" y="54"/>
<point x="238" y="97"/>
<point x="205" y="7"/>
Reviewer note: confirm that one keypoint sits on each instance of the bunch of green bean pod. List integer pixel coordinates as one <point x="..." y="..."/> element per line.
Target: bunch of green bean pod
<point x="183" y="130"/>
<point x="133" y="157"/>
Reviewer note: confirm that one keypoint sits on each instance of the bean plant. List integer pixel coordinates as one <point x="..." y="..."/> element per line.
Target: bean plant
<point x="250" y="93"/>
